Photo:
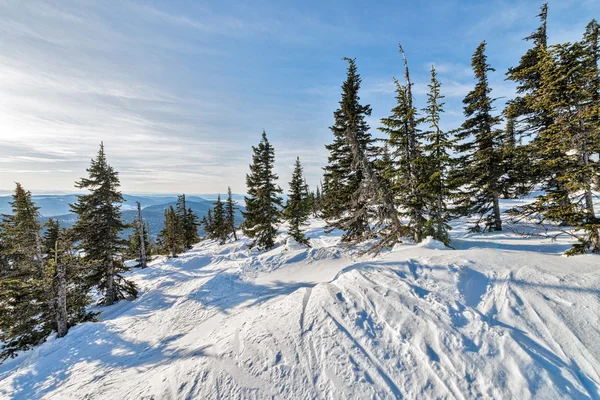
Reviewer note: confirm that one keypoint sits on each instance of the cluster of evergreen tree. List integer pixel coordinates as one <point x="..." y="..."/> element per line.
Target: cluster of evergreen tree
<point x="46" y="280"/>
<point x="264" y="204"/>
<point x="219" y="223"/>
<point x="558" y="111"/>
<point x="422" y="177"/>
<point x="180" y="229"/>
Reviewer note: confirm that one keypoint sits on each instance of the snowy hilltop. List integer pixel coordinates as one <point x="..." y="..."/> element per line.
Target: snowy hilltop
<point x="501" y="316"/>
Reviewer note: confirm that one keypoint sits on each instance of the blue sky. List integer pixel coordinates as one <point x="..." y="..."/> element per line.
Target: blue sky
<point x="180" y="90"/>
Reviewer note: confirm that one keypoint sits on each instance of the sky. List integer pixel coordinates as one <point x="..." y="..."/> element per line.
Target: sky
<point x="179" y="91"/>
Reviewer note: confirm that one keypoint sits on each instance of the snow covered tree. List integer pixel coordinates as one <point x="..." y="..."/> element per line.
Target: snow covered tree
<point x="188" y="223"/>
<point x="480" y="160"/>
<point x="230" y="208"/>
<point x="98" y="229"/>
<point x="263" y="202"/>
<point x="436" y="189"/>
<point x="297" y="207"/>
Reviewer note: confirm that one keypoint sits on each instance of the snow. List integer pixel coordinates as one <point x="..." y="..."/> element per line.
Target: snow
<point x="502" y="316"/>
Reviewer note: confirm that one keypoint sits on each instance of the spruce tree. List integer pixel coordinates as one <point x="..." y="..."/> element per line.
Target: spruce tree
<point x="437" y="189"/>
<point x="263" y="202"/>
<point x="98" y="229"/>
<point x="220" y="227"/>
<point x="403" y="167"/>
<point x="188" y="223"/>
<point x="343" y="176"/>
<point x="230" y="208"/>
<point x="526" y="118"/>
<point x="34" y="303"/>
<point x="170" y="238"/>
<point x="480" y="160"/>
<point x="24" y="305"/>
<point x="297" y="207"/>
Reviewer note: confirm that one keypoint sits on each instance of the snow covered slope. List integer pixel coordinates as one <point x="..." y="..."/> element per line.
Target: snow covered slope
<point x="500" y="317"/>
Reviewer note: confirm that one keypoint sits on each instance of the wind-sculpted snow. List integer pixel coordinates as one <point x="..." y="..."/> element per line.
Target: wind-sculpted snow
<point x="500" y="317"/>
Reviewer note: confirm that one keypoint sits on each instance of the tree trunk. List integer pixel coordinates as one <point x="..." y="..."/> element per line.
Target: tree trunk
<point x="38" y="254"/>
<point x="141" y="232"/>
<point x="61" y="297"/>
<point x="497" y="220"/>
<point x="233" y="230"/>
<point x="110" y="297"/>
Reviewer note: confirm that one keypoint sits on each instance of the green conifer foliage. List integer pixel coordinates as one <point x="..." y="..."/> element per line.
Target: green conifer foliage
<point x="170" y="238"/>
<point x="220" y="227"/>
<point x="436" y="189"/>
<point x="188" y="223"/>
<point x="230" y="208"/>
<point x="343" y="176"/>
<point x="98" y="228"/>
<point x="263" y="203"/>
<point x="297" y="207"/>
<point x="480" y="161"/>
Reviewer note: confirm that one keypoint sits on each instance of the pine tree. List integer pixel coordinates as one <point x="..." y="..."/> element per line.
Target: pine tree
<point x="220" y="227"/>
<point x="404" y="166"/>
<point x="343" y="176"/>
<point x="24" y="310"/>
<point x="34" y="303"/>
<point x="98" y="228"/>
<point x="188" y="220"/>
<point x="230" y="208"/>
<point x="208" y="224"/>
<point x="170" y="238"/>
<point x="480" y="160"/>
<point x="296" y="209"/>
<point x="262" y="203"/>
<point x="571" y="139"/>
<point x="437" y="190"/>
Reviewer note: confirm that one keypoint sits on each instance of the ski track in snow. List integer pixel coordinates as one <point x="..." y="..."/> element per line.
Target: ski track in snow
<point x="500" y="317"/>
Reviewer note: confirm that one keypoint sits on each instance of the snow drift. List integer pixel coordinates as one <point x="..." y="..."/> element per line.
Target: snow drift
<point x="500" y="317"/>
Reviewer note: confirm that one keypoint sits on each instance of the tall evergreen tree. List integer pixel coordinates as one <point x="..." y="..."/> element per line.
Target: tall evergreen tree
<point x="263" y="202"/>
<point x="24" y="310"/>
<point x="98" y="229"/>
<point x="297" y="207"/>
<point x="188" y="223"/>
<point x="35" y="302"/>
<point x="437" y="190"/>
<point x="480" y="159"/>
<point x="404" y="166"/>
<point x="343" y="175"/>
<point x="230" y="208"/>
<point x="220" y="227"/>
<point x="528" y="118"/>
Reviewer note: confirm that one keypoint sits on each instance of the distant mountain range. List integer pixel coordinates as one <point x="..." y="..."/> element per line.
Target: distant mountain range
<point x="57" y="207"/>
